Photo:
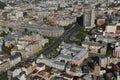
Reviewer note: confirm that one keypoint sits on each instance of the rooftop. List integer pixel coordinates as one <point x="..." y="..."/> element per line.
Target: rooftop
<point x="17" y="54"/>
<point x="59" y="63"/>
<point x="80" y="54"/>
<point x="42" y="27"/>
<point x="94" y="43"/>
<point x="40" y="64"/>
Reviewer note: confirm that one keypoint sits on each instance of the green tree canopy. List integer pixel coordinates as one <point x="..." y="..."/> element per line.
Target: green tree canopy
<point x="2" y="5"/>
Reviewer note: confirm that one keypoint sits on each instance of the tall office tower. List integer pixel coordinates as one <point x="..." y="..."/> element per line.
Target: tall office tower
<point x="89" y="18"/>
<point x="93" y="17"/>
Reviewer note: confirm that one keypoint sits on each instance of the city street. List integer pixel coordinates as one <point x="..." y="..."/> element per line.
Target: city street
<point x="56" y="42"/>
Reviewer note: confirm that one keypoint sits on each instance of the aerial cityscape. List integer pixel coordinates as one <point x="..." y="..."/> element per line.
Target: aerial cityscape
<point x="59" y="39"/>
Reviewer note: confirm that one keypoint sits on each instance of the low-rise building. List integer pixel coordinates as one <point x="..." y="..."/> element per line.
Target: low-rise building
<point x="104" y="61"/>
<point x="40" y="67"/>
<point x="106" y="39"/>
<point x="80" y="57"/>
<point x="44" y="60"/>
<point x="95" y="47"/>
<point x="1" y="45"/>
<point x="4" y="65"/>
<point x="23" y="53"/>
<point x="97" y="70"/>
<point x="16" y="58"/>
<point x="69" y="53"/>
<point x="45" y="30"/>
<point x="9" y="41"/>
<point x="116" y="52"/>
<point x="66" y="21"/>
<point x="29" y="67"/>
<point x="58" y="65"/>
<point x="68" y="77"/>
<point x="45" y="75"/>
<point x="13" y="72"/>
<point x="74" y="71"/>
<point x="66" y="58"/>
<point x="21" y="76"/>
<point x="112" y="30"/>
<point x="55" y="64"/>
<point x="33" y="48"/>
<point x="29" y="45"/>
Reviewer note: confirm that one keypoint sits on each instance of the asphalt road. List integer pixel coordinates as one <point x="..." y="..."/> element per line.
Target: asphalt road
<point x="57" y="41"/>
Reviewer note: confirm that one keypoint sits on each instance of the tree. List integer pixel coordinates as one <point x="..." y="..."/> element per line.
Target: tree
<point x="3" y="76"/>
<point x="109" y="52"/>
<point x="26" y="30"/>
<point x="62" y="60"/>
<point x="4" y="14"/>
<point x="2" y="5"/>
<point x="3" y="34"/>
<point x="10" y="29"/>
<point x="15" y="78"/>
<point x="48" y="69"/>
<point x="53" y="78"/>
<point x="24" y="14"/>
<point x="81" y="35"/>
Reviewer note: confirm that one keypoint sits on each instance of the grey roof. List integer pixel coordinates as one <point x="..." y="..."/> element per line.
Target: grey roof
<point x="105" y="37"/>
<point x="88" y="77"/>
<point x="94" y="43"/>
<point x="66" y="56"/>
<point x="8" y="38"/>
<point x="16" y="34"/>
<point x="42" y="27"/>
<point x="17" y="54"/>
<point x="59" y="63"/>
<point x="11" y="37"/>
<point x="80" y="54"/>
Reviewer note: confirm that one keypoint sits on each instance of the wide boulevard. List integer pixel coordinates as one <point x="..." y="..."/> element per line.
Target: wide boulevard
<point x="57" y="41"/>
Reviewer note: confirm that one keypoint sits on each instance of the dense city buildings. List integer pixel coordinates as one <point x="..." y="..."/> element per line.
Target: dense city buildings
<point x="59" y="39"/>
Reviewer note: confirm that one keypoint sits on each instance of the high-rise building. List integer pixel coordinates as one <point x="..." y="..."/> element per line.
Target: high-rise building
<point x="89" y="18"/>
<point x="93" y="17"/>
